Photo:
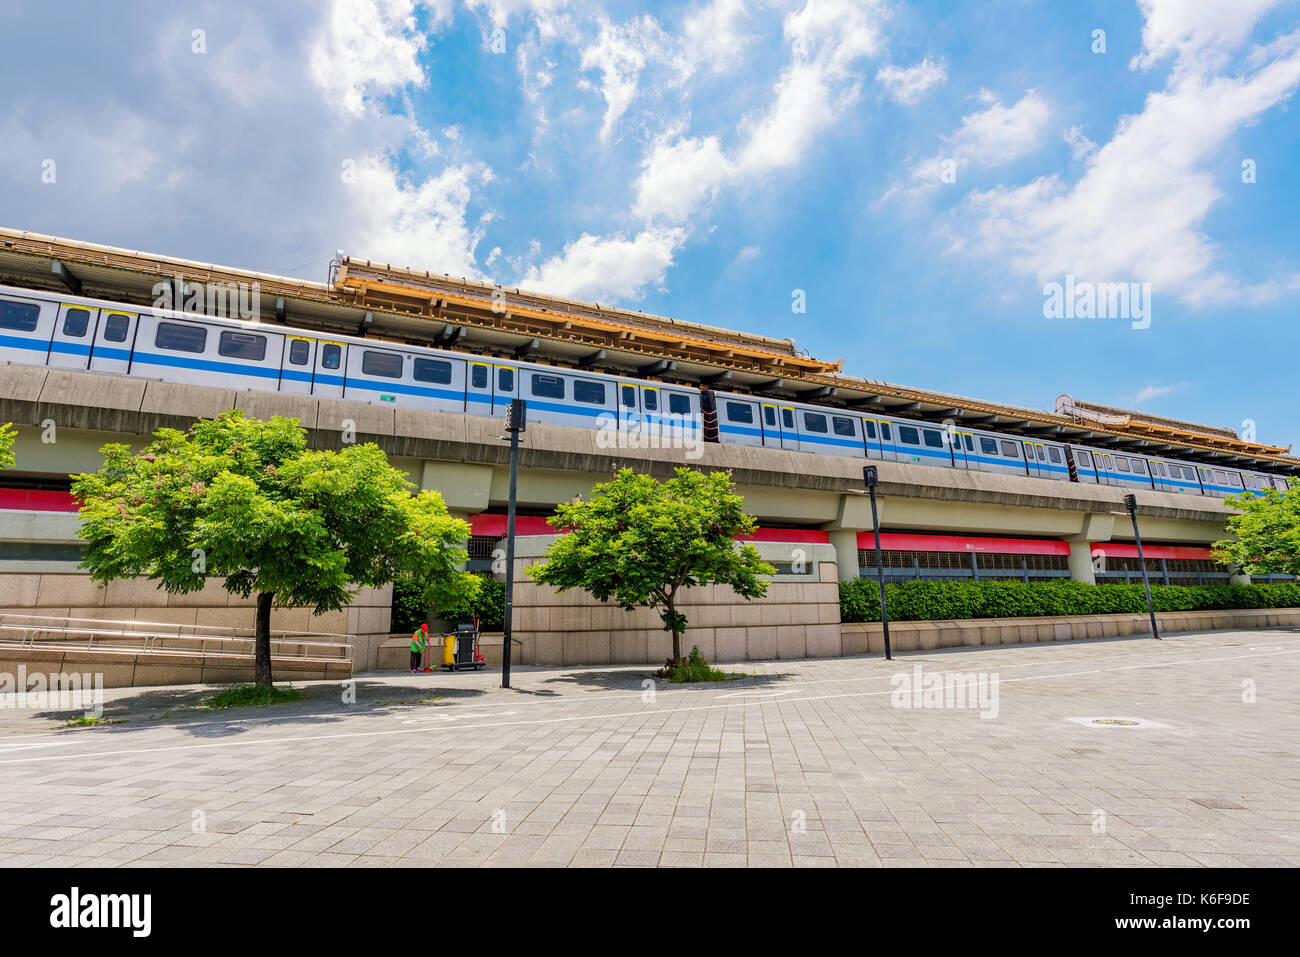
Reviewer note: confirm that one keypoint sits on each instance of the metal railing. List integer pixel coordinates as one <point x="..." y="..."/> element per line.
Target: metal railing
<point x="31" y="632"/>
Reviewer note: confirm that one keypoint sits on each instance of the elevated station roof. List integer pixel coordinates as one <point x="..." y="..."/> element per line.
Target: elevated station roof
<point x="384" y="302"/>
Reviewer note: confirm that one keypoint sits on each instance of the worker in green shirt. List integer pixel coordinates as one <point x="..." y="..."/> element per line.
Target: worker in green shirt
<point x="419" y="641"/>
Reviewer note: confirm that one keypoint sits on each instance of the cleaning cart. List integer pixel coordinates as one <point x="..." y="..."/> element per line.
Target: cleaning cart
<point x="460" y="650"/>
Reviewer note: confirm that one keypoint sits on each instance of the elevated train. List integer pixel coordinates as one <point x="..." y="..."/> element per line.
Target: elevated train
<point x="74" y="332"/>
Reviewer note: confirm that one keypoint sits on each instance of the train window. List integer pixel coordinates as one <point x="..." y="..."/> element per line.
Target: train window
<point x="1157" y="469"/>
<point x="988" y="446"/>
<point x="331" y="356"/>
<point x="1220" y="477"/>
<point x="908" y="435"/>
<point x="299" y="352"/>
<point x="870" y="427"/>
<point x="432" y="370"/>
<point x="679" y="404"/>
<point x="478" y="377"/>
<point x="1121" y="463"/>
<point x="592" y="393"/>
<point x="932" y="438"/>
<point x="385" y="364"/>
<point x="970" y="444"/>
<point x="1055" y="455"/>
<point x="242" y="345"/>
<point x="813" y="422"/>
<point x="505" y="380"/>
<point x="548" y="386"/>
<point x="651" y="399"/>
<point x="629" y="397"/>
<point x="116" y="328"/>
<point x="1009" y="450"/>
<point x="1139" y="467"/>
<point x="739" y="412"/>
<point x="885" y="433"/>
<point x="1041" y="453"/>
<point x="769" y="416"/>
<point x="1085" y="459"/>
<point x="842" y="426"/>
<point x="178" y="338"/>
<point x="18" y="316"/>
<point x="76" y="322"/>
<point x="787" y="419"/>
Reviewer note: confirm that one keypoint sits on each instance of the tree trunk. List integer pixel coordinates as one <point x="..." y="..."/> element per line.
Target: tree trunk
<point x="677" y="635"/>
<point x="262" y="640"/>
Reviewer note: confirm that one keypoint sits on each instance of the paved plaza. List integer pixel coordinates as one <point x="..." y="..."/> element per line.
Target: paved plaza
<point x="804" y="763"/>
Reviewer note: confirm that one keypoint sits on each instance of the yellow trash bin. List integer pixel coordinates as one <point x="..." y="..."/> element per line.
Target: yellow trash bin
<point x="448" y="650"/>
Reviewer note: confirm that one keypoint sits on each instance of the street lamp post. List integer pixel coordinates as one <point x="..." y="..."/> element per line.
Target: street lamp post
<point x="870" y="476"/>
<point x="1131" y="503"/>
<point x="516" y="422"/>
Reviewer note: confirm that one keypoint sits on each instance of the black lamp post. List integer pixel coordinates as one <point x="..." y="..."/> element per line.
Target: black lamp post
<point x="870" y="476"/>
<point x="516" y="422"/>
<point x="1131" y="503"/>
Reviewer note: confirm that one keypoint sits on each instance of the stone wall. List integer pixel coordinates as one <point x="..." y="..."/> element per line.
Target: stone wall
<point x="863" y="637"/>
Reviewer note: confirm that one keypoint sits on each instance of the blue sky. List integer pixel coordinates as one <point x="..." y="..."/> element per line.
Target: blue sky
<point x="919" y="172"/>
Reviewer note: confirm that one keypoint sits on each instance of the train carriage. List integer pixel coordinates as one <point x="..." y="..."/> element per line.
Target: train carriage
<point x="80" y="333"/>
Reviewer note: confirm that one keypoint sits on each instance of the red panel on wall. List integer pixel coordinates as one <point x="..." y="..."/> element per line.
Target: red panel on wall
<point x="492" y="524"/>
<point x="33" y="500"/>
<point x="486" y="523"/>
<point x="807" y="536"/>
<point x="1121" y="550"/>
<point x="904" y="542"/>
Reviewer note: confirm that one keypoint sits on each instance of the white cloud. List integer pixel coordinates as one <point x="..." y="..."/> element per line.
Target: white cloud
<point x="1198" y="33"/>
<point x="600" y="268"/>
<point x="909" y="85"/>
<point x="366" y="47"/>
<point x="748" y="253"/>
<point x="620" y="53"/>
<point x="422" y="225"/>
<point x="1080" y="146"/>
<point x="1139" y="208"/>
<point x="986" y="138"/>
<point x="1155" y="391"/>
<point x="712" y="39"/>
<point x="680" y="176"/>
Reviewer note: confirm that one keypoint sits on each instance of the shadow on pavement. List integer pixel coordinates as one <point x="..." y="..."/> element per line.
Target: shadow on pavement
<point x="185" y="708"/>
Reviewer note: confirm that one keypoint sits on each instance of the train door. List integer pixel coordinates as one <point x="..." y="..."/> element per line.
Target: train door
<point x="962" y="445"/>
<point x="1056" y="467"/>
<point x="329" y="373"/>
<point x="310" y="367"/>
<point x="74" y="335"/>
<point x="779" y="430"/>
<point x="478" y="388"/>
<point x="505" y="384"/>
<point x="114" y="340"/>
<point x="1106" y="474"/>
<point x="879" y="439"/>
<point x="651" y="411"/>
<point x="1035" y="458"/>
<point x="629" y="408"/>
<point x="26" y="327"/>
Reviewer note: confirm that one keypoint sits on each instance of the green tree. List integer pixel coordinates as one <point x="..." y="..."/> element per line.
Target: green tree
<point x="1268" y="532"/>
<point x="7" y="435"/>
<point x="640" y="542"/>
<point x="246" y="500"/>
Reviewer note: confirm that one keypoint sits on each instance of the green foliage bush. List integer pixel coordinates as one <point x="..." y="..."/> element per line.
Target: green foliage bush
<point x="942" y="601"/>
<point x="409" y="611"/>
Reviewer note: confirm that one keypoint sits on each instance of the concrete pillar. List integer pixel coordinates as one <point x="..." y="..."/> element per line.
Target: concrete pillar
<point x="845" y="542"/>
<point x="1081" y="569"/>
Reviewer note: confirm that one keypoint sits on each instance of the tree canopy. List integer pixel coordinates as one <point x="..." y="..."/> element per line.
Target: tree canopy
<point x="7" y="435"/>
<point x="246" y="500"/>
<point x="1268" y="532"/>
<point x="639" y="542"/>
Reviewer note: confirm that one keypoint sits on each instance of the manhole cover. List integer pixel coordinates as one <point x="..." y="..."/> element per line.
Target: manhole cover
<point x="1118" y="722"/>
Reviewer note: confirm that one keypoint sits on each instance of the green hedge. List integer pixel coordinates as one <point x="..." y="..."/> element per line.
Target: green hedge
<point x="409" y="611"/>
<point x="941" y="601"/>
